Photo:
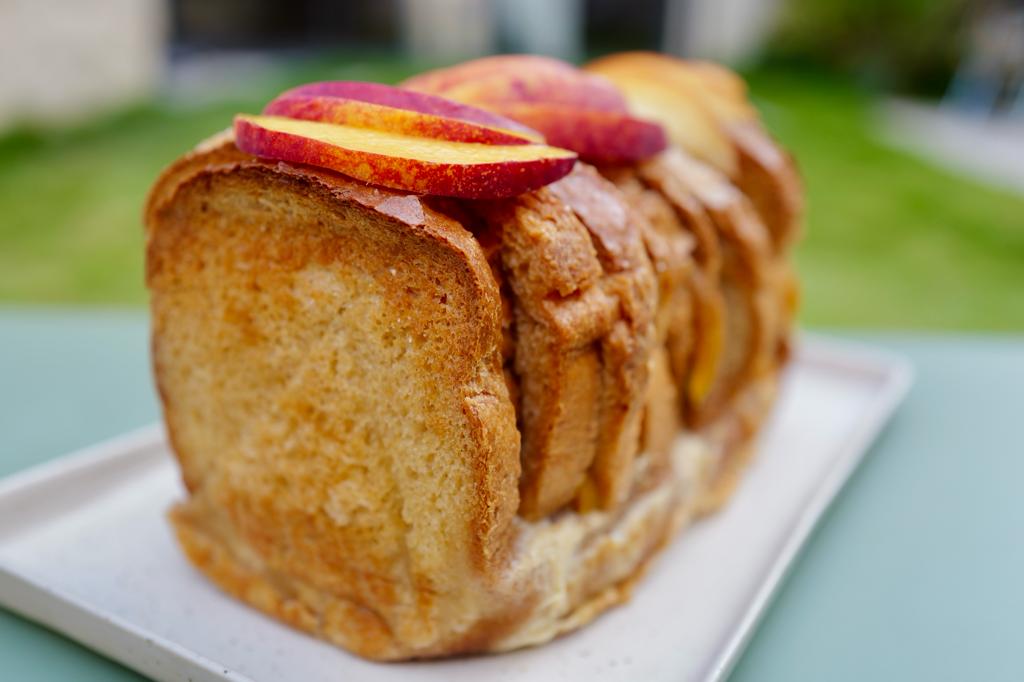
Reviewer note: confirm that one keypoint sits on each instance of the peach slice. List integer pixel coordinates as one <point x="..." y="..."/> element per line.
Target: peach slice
<point x="519" y="78"/>
<point x="571" y="108"/>
<point x="416" y="164"/>
<point x="599" y="136"/>
<point x="705" y="110"/>
<point x="666" y="90"/>
<point x="727" y="92"/>
<point x="383" y="107"/>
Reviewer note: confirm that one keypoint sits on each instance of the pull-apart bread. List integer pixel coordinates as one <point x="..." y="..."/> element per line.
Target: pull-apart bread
<point x="447" y="393"/>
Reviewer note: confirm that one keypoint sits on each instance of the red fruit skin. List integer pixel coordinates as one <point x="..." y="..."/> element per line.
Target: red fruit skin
<point x="570" y="107"/>
<point x="400" y="98"/>
<point x="506" y="79"/>
<point x="362" y="114"/>
<point x="599" y="137"/>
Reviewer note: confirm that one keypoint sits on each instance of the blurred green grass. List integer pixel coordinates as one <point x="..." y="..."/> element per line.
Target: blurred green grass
<point x="891" y="241"/>
<point x="72" y="200"/>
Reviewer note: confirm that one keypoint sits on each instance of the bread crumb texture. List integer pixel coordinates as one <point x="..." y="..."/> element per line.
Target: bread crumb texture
<point x="418" y="428"/>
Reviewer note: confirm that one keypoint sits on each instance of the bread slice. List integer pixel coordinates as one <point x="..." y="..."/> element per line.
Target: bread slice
<point x="723" y="346"/>
<point x="584" y="297"/>
<point x="670" y="248"/>
<point x="328" y="356"/>
<point x="705" y="110"/>
<point x="331" y="361"/>
<point x="734" y="325"/>
<point x="764" y="172"/>
<point x="769" y="178"/>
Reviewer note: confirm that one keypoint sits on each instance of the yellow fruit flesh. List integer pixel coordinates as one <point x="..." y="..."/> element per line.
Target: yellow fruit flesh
<point x="404" y="146"/>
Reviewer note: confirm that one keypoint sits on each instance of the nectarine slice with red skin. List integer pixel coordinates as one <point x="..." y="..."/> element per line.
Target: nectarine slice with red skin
<point x="421" y="165"/>
<point x="697" y="102"/>
<point x="602" y="137"/>
<point x="505" y="79"/>
<point x="359" y="114"/>
<point x="689" y="123"/>
<point x="571" y="108"/>
<point x="705" y="110"/>
<point x="407" y="100"/>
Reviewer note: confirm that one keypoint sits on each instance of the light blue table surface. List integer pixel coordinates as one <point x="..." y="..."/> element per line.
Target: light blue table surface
<point x="916" y="572"/>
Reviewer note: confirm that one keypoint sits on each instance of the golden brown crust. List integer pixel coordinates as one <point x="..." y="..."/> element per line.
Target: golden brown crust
<point x="224" y="262"/>
<point x="618" y="235"/>
<point x="335" y="363"/>
<point x="583" y="298"/>
<point x="769" y="178"/>
<point x="546" y="255"/>
<point x="670" y="248"/>
<point x="740" y="295"/>
<point x="743" y="280"/>
<point x="705" y="110"/>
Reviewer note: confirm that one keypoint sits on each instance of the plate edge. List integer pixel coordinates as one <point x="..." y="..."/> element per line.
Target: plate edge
<point x="106" y="634"/>
<point x="897" y="376"/>
<point x="894" y="373"/>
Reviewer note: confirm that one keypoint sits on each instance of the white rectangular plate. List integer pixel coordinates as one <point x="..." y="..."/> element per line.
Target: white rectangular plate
<point x="85" y="549"/>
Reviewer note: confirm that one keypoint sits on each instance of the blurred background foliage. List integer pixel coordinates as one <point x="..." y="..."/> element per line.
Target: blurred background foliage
<point x="895" y="238"/>
<point x="910" y="45"/>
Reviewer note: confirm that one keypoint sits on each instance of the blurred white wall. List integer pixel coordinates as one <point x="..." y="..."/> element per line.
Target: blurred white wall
<point x="443" y="30"/>
<point x="728" y="31"/>
<point x="447" y="30"/>
<point x="62" y="60"/>
<point x="549" y="27"/>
